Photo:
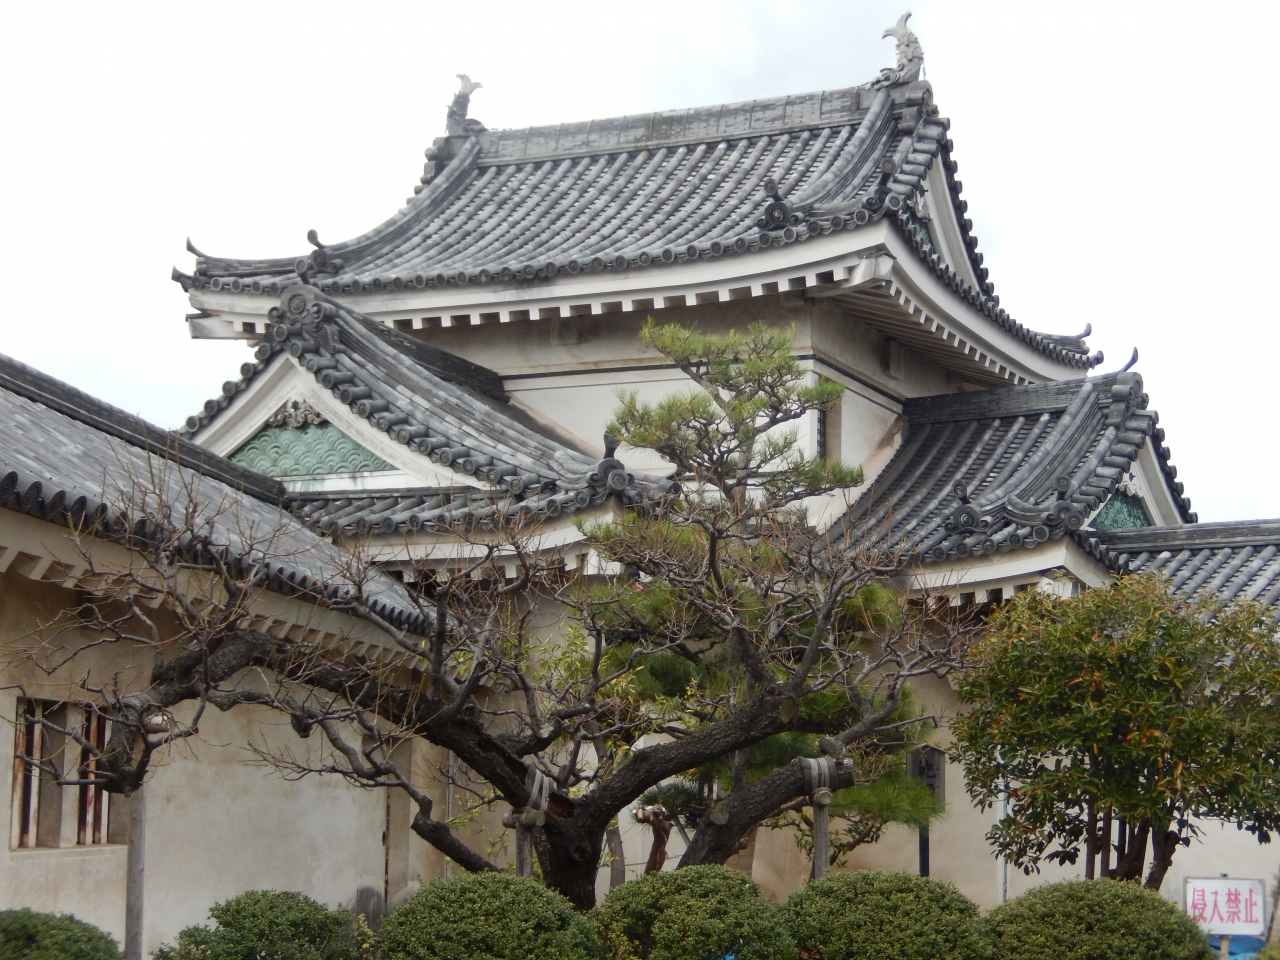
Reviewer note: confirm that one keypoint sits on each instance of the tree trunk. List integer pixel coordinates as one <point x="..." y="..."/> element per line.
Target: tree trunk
<point x="1163" y="845"/>
<point x="1090" y="840"/>
<point x="571" y="860"/>
<point x="1105" y="869"/>
<point x="1130" y="865"/>
<point x="722" y="828"/>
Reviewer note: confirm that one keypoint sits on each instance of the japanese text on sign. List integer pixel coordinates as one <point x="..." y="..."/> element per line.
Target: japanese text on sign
<point x="1225" y="905"/>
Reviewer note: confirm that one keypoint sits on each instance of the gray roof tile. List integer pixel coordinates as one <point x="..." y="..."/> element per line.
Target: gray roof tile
<point x="990" y="471"/>
<point x="68" y="458"/>
<point x="440" y="407"/>
<point x="1232" y="560"/>
<point x="629" y="193"/>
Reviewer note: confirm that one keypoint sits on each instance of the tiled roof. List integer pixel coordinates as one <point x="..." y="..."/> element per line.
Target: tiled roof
<point x="68" y="458"/>
<point x="1231" y="560"/>
<point x="382" y="375"/>
<point x="632" y="193"/>
<point x="360" y="513"/>
<point x="991" y="471"/>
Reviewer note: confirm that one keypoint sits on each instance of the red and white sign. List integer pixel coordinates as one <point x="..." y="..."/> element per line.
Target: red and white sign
<point x="1225" y="905"/>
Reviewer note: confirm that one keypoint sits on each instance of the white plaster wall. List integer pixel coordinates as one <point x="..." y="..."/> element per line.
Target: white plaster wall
<point x="584" y="405"/>
<point x="219" y="824"/>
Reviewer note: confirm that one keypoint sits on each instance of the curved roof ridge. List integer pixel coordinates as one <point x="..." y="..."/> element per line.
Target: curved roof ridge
<point x="524" y="206"/>
<point x="667" y="128"/>
<point x="38" y="386"/>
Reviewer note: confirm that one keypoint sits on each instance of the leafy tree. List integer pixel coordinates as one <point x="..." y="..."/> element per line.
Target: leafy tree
<point x="1122" y="707"/>
<point x="733" y="621"/>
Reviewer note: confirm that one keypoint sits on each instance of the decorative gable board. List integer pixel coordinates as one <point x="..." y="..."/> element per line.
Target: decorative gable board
<point x="1123" y="511"/>
<point x="306" y="450"/>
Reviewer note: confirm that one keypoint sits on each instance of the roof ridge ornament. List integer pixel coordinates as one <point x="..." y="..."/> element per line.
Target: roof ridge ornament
<point x="457" y="124"/>
<point x="910" y="56"/>
<point x="296" y="414"/>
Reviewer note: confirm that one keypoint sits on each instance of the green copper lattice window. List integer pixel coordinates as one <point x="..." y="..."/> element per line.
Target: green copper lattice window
<point x="305" y="451"/>
<point x="1122" y="512"/>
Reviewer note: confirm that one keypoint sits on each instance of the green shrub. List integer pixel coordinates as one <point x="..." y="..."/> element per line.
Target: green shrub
<point x="873" y="915"/>
<point x="487" y="916"/>
<point x="270" y="925"/>
<point x="697" y="913"/>
<point x="1270" y="952"/>
<point x="27" y="935"/>
<point x="1094" y="920"/>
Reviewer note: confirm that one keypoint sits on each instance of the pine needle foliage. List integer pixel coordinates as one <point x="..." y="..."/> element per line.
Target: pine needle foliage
<point x="728" y="433"/>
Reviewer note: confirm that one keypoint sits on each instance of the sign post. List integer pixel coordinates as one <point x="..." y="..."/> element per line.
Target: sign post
<point x="1227" y="907"/>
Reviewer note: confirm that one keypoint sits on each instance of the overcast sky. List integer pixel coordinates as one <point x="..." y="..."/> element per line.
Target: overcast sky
<point x="1113" y="156"/>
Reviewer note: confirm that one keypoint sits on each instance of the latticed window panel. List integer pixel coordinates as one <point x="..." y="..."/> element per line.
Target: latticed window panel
<point x="1122" y="512"/>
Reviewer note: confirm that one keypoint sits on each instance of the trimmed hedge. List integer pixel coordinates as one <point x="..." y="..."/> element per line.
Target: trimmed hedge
<point x="27" y="935"/>
<point x="487" y="916"/>
<point x="1094" y="920"/>
<point x="269" y="925"/>
<point x="695" y="913"/>
<point x="877" y="915"/>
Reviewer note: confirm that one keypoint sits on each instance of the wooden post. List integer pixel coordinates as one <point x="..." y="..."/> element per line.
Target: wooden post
<point x="529" y="818"/>
<point x="135" y="876"/>
<point x="1224" y="947"/>
<point x="928" y="765"/>
<point x="819" y="775"/>
<point x="821" y="834"/>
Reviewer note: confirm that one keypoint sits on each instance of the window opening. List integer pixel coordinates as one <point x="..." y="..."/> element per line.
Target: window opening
<point x="92" y="809"/>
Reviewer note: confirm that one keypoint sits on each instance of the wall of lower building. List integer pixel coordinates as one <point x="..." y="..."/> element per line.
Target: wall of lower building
<point x="216" y="820"/>
<point x="218" y="823"/>
<point x="960" y="854"/>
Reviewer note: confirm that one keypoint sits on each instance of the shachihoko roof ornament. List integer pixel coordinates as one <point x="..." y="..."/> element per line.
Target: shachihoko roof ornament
<point x="910" y="56"/>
